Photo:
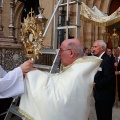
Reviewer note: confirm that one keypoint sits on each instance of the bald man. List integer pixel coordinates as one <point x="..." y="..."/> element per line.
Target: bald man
<point x="65" y="95"/>
<point x="70" y="50"/>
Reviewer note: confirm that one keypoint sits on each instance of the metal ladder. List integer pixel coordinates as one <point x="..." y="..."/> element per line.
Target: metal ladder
<point x="68" y="25"/>
<point x="55" y="65"/>
<point x="13" y="110"/>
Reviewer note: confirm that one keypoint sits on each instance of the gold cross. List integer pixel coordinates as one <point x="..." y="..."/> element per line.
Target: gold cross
<point x="31" y="12"/>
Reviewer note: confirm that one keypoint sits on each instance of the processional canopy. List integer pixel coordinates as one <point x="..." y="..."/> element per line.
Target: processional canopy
<point x="32" y="34"/>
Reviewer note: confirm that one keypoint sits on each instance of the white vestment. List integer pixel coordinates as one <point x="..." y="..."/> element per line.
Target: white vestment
<point x="2" y="72"/>
<point x="11" y="83"/>
<point x="63" y="96"/>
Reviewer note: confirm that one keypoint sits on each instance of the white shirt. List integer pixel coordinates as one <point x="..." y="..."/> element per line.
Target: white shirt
<point x="11" y="83"/>
<point x="118" y="59"/>
<point x="101" y="54"/>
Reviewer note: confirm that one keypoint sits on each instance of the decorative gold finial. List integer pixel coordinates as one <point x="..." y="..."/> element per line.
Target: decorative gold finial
<point x="31" y="13"/>
<point x="115" y="38"/>
<point x="40" y="9"/>
<point x="106" y="36"/>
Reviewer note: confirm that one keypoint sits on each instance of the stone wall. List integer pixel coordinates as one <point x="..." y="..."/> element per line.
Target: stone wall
<point x="11" y="55"/>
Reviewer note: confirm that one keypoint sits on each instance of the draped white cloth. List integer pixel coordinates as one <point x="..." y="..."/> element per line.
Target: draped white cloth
<point x="97" y="17"/>
<point x="63" y="96"/>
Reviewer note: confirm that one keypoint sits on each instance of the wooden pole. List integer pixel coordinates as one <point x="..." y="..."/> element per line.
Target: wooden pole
<point x="116" y="53"/>
<point x="116" y="93"/>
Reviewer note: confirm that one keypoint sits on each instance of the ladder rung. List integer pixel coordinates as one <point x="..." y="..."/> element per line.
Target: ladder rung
<point x="70" y="3"/>
<point x="3" y="113"/>
<point x="14" y="110"/>
<point x="48" y="51"/>
<point x="64" y="27"/>
<point x="42" y="66"/>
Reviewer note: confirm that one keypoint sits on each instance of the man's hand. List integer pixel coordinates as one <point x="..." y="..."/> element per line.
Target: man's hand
<point x="116" y="72"/>
<point x="27" y="66"/>
<point x="116" y="64"/>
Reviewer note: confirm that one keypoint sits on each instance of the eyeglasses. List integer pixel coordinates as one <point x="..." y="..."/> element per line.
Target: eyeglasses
<point x="60" y="50"/>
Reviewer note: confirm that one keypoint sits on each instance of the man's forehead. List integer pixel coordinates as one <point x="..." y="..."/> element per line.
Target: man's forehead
<point x="109" y="50"/>
<point x="96" y="43"/>
<point x="62" y="45"/>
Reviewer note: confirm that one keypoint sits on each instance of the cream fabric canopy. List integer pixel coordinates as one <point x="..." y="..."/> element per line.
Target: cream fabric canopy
<point x="97" y="17"/>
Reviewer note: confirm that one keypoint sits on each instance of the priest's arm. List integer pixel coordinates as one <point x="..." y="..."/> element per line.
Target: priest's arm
<point x="11" y="83"/>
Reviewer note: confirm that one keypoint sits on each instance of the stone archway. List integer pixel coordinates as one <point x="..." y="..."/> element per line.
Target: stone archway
<point x="115" y="4"/>
<point x="17" y="19"/>
<point x="19" y="6"/>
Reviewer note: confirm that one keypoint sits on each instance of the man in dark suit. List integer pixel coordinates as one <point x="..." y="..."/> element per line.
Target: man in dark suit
<point x="109" y="53"/>
<point x="104" y="83"/>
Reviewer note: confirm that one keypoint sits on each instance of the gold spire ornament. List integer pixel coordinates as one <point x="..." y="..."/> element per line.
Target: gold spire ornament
<point x="32" y="34"/>
<point x="115" y="39"/>
<point x="106" y="36"/>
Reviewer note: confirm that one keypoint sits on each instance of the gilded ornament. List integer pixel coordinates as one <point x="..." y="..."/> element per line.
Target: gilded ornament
<point x="32" y="35"/>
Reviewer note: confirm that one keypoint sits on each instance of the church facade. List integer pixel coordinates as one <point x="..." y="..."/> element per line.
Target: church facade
<point x="12" y="13"/>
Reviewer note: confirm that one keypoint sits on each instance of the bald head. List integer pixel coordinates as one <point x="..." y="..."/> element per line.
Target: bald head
<point x="70" y="50"/>
<point x="75" y="41"/>
<point x="74" y="44"/>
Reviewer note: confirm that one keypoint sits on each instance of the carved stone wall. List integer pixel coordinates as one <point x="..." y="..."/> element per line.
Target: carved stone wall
<point x="11" y="57"/>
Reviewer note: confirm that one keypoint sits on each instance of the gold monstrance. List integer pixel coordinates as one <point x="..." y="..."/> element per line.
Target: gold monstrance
<point x="32" y="34"/>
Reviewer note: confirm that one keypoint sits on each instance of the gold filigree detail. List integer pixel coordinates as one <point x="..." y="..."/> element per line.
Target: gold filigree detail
<point x="27" y="116"/>
<point x="85" y="59"/>
<point x="32" y="35"/>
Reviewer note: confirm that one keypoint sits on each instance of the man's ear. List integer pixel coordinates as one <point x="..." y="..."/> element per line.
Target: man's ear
<point x="72" y="53"/>
<point x="102" y="48"/>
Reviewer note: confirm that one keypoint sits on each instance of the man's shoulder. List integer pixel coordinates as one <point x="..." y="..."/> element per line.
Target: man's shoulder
<point x="105" y="56"/>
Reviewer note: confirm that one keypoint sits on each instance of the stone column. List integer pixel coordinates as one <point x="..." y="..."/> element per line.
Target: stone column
<point x="11" y="26"/>
<point x="1" y="27"/>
